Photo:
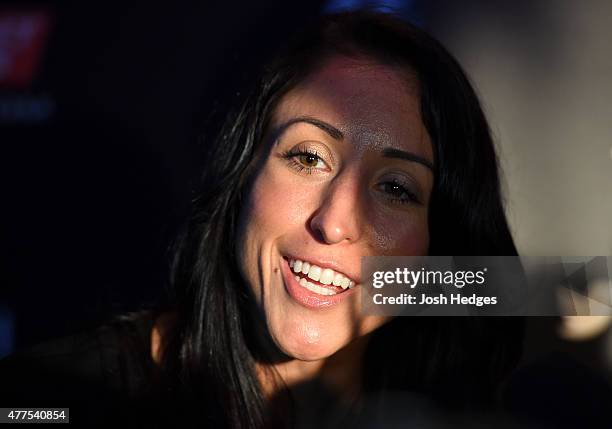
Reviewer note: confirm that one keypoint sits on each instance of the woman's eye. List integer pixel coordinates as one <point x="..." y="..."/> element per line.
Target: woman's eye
<point x="311" y="161"/>
<point x="398" y="193"/>
<point x="305" y="160"/>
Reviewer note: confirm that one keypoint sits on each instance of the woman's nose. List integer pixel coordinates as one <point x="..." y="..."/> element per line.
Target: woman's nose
<point x="337" y="219"/>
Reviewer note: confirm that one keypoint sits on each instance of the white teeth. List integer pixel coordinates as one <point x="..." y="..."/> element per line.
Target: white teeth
<point x="338" y="279"/>
<point x="318" y="289"/>
<point x="313" y="287"/>
<point x="344" y="283"/>
<point x="314" y="273"/>
<point x="327" y="276"/>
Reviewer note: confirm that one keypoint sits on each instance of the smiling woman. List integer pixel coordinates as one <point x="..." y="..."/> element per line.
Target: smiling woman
<point x="350" y="162"/>
<point x="364" y="138"/>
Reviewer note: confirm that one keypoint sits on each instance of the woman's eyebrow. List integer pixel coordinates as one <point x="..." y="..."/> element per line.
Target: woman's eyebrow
<point x="337" y="135"/>
<point x="334" y="132"/>
<point x="408" y="156"/>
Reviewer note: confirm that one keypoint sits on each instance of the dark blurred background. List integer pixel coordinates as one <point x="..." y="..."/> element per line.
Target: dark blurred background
<point x="104" y="114"/>
<point x="103" y="109"/>
<point x="101" y="112"/>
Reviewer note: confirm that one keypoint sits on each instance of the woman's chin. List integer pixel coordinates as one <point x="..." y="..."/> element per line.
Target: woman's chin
<point x="310" y="355"/>
<point x="305" y="349"/>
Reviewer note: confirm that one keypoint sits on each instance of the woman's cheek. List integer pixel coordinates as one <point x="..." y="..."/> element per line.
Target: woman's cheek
<point x="406" y="235"/>
<point x="279" y="201"/>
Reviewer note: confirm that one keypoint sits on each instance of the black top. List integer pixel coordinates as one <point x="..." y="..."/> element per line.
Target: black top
<point x="101" y="375"/>
<point x="107" y="377"/>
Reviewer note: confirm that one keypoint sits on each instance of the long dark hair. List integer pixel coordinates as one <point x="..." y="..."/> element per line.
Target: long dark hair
<point x="208" y="357"/>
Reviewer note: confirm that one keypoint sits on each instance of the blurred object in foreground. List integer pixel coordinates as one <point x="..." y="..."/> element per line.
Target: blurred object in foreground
<point x="583" y="328"/>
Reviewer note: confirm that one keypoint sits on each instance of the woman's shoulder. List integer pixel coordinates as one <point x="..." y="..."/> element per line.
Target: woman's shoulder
<point x="109" y="361"/>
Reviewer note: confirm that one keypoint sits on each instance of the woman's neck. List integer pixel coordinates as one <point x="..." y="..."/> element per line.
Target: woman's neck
<point x="339" y="373"/>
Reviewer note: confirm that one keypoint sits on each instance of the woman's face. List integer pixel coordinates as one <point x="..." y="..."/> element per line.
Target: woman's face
<point x="345" y="172"/>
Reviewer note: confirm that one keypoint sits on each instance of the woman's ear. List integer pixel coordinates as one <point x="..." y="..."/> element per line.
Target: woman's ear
<point x="159" y="334"/>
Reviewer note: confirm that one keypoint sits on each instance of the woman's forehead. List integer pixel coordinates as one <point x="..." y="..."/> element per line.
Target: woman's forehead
<point x="371" y="104"/>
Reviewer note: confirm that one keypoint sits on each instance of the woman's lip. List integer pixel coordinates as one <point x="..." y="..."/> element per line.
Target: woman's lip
<point x="306" y="297"/>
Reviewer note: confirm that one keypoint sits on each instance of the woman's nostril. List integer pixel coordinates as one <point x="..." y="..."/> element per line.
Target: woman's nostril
<point x="319" y="236"/>
<point x="330" y="230"/>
